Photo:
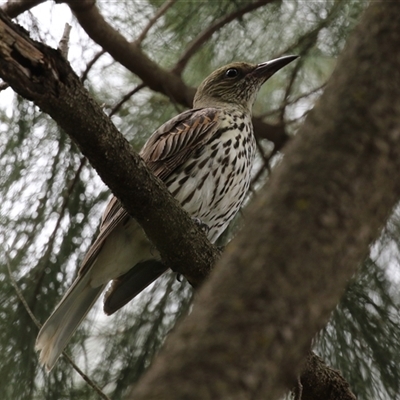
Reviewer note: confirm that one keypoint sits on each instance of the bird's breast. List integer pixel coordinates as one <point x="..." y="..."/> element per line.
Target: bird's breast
<point x="213" y="183"/>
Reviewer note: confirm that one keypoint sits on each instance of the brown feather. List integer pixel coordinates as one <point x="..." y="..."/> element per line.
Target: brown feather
<point x="172" y="144"/>
<point x="113" y="215"/>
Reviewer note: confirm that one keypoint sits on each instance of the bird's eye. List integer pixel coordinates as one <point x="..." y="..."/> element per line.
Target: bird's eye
<point x="231" y="73"/>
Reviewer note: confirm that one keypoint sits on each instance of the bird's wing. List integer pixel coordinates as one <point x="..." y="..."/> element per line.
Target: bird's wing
<point x="129" y="285"/>
<point x="173" y="143"/>
<point x="166" y="149"/>
<point x="113" y="215"/>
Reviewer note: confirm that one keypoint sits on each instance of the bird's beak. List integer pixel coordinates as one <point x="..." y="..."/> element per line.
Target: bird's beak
<point x="267" y="69"/>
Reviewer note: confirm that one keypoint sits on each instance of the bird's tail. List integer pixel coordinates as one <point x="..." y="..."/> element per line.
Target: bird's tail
<point x="65" y="319"/>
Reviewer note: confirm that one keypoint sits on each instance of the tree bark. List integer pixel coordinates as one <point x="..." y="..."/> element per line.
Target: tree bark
<point x="41" y="74"/>
<point x="319" y="382"/>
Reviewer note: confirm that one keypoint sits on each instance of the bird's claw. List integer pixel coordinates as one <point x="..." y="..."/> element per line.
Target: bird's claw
<point x="204" y="227"/>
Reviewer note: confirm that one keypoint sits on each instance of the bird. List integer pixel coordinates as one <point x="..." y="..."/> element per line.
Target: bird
<point x="204" y="156"/>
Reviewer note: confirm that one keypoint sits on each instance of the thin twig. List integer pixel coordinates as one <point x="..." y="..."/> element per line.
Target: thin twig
<point x="264" y="168"/>
<point x="125" y="98"/>
<point x="66" y="200"/>
<point x="19" y="293"/>
<point x="90" y="64"/>
<point x="162" y="10"/>
<point x="312" y="35"/>
<point x="85" y="377"/>
<point x="174" y="102"/>
<point x="128" y="54"/>
<point x="266" y="159"/>
<point x="37" y="323"/>
<point x="207" y="33"/>
<point x="63" y="44"/>
<point x="3" y="86"/>
<point x="289" y="87"/>
<point x="293" y="101"/>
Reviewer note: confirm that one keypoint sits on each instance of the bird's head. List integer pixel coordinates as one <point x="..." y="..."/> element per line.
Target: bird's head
<point x="237" y="84"/>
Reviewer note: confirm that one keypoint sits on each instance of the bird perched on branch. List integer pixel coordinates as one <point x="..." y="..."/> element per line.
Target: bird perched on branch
<point x="205" y="157"/>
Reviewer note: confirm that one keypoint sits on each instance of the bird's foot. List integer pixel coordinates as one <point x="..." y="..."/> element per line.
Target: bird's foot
<point x="204" y="227"/>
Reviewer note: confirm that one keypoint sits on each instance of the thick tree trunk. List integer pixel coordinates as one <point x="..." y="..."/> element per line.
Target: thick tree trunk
<point x="306" y="233"/>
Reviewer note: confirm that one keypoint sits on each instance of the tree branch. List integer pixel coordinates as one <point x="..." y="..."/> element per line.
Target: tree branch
<point x="41" y="74"/>
<point x="16" y="7"/>
<point x="130" y="55"/>
<point x="274" y="133"/>
<point x="161" y="11"/>
<point x="125" y="98"/>
<point x="90" y="64"/>
<point x="194" y="46"/>
<point x="319" y="382"/>
<point x="4" y="86"/>
<point x="63" y="45"/>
